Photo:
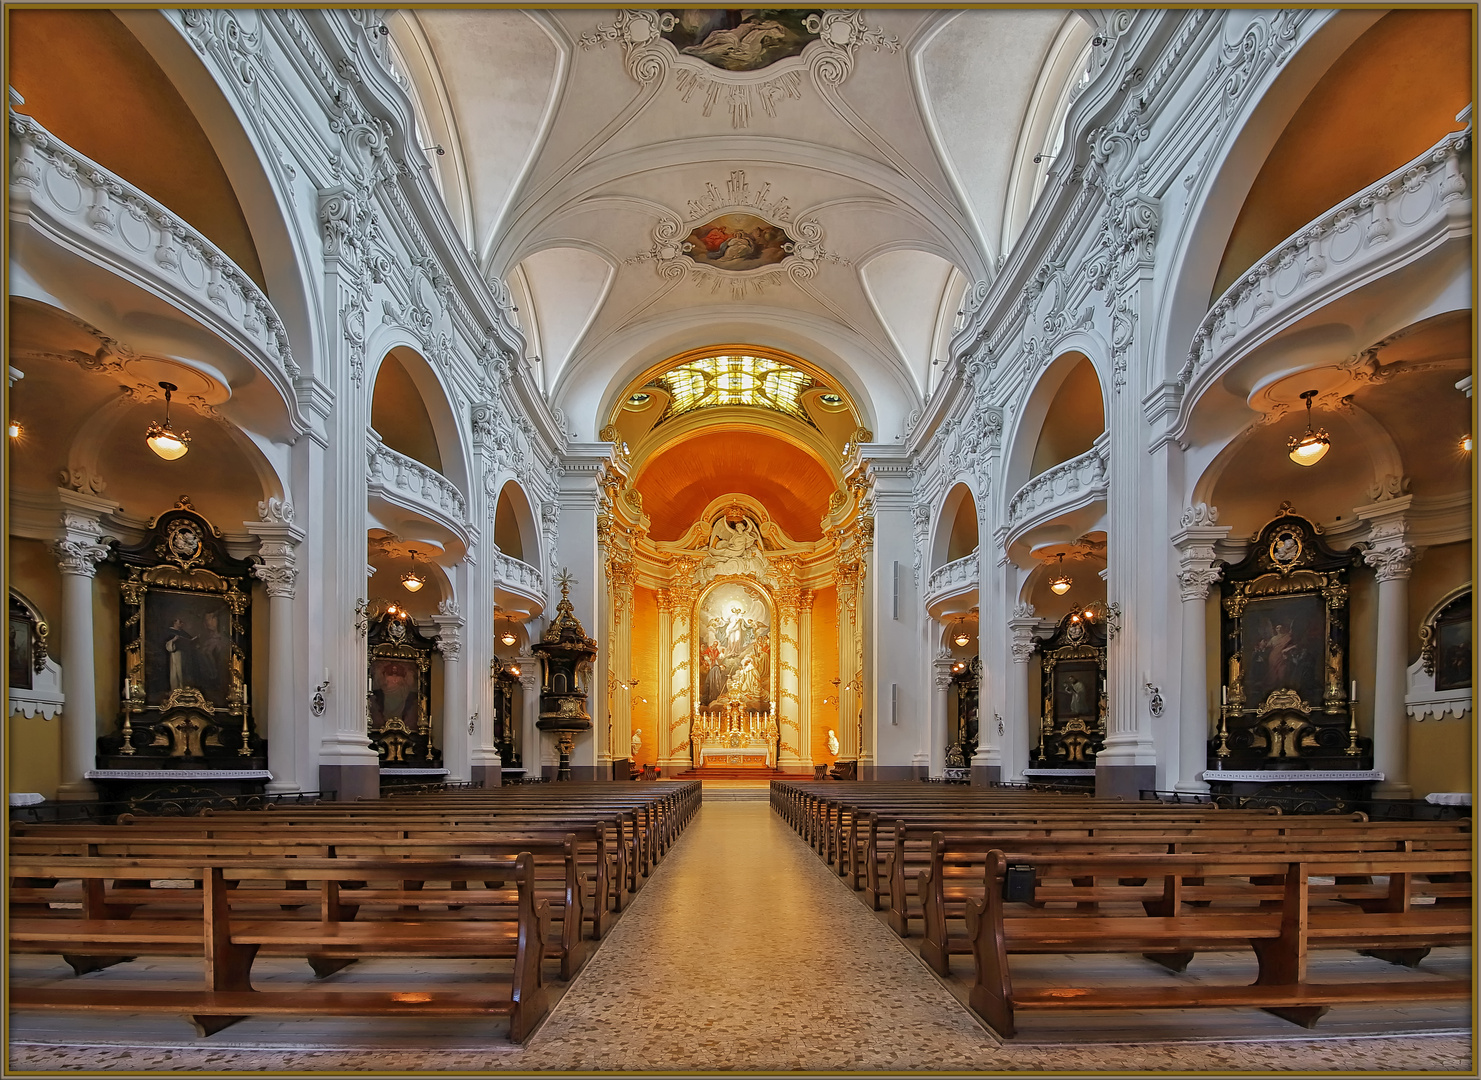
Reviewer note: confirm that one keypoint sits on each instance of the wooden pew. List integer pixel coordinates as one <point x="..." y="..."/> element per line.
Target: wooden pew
<point x="228" y="940"/>
<point x="956" y="877"/>
<point x="557" y="880"/>
<point x="1281" y="937"/>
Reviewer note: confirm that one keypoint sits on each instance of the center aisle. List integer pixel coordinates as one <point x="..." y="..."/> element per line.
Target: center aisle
<point x="744" y="952"/>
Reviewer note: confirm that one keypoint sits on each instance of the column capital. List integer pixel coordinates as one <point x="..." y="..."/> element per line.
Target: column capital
<point x="1388" y="551"/>
<point x="941" y="671"/>
<point x="277" y="543"/>
<point x="81" y="545"/>
<point x="1198" y="563"/>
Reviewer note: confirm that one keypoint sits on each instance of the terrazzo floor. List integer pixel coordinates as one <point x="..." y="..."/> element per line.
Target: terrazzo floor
<point x="742" y="952"/>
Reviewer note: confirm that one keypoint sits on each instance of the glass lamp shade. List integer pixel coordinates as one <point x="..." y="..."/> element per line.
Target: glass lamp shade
<point x="14" y="429"/>
<point x="411" y="583"/>
<point x="1310" y="448"/>
<point x="1061" y="585"/>
<point x="508" y="638"/>
<point x="167" y="443"/>
<point x="962" y="638"/>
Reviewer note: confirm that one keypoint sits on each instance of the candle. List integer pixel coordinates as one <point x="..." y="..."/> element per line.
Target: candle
<point x="125" y="687"/>
<point x="1224" y="695"/>
<point x="1354" y="695"/>
<point x="369" y="685"/>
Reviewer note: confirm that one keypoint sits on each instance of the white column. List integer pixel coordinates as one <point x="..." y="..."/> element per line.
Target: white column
<point x="850" y="678"/>
<point x="78" y="553"/>
<point x="940" y="708"/>
<point x="1022" y="643"/>
<point x="1197" y="573"/>
<point x="529" y="734"/>
<point x="278" y="571"/>
<point x="456" y="736"/>
<point x="1391" y="558"/>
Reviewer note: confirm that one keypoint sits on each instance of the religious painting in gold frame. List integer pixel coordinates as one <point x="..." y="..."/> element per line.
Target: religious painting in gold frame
<point x="398" y="688"/>
<point x="733" y="646"/>
<point x="1285" y="699"/>
<point x="185" y="611"/>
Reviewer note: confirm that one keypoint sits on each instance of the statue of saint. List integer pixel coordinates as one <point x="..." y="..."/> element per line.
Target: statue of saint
<point x="832" y="742"/>
<point x="637" y="741"/>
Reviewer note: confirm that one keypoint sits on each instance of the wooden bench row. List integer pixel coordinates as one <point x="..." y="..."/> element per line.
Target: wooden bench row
<point x="1163" y="881"/>
<point x="431" y="875"/>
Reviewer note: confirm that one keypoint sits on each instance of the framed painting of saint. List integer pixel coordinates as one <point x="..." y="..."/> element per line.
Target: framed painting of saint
<point x="733" y="648"/>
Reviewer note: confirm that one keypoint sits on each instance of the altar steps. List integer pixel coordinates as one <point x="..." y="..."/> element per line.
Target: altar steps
<point x="721" y="772"/>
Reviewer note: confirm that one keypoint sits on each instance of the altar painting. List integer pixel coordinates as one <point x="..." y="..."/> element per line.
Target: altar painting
<point x="1287" y="647"/>
<point x="187" y="643"/>
<point x="734" y="645"/>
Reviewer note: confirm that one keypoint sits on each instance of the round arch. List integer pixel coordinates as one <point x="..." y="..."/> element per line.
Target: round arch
<point x="515" y="530"/>
<point x="435" y="397"/>
<point x="1072" y="370"/>
<point x="949" y="528"/>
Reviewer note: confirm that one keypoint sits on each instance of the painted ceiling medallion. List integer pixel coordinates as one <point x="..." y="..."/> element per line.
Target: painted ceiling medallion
<point x="740" y="40"/>
<point x="723" y="240"/>
<point x="743" y="58"/>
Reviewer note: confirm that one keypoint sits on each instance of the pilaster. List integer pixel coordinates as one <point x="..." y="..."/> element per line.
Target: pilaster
<point x="1198" y="572"/>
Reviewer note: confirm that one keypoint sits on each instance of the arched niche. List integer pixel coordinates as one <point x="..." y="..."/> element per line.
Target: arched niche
<point x="515" y="533"/>
<point x="1392" y="94"/>
<point x="90" y="82"/>
<point x="1083" y="562"/>
<point x="956" y="527"/>
<point x="410" y="400"/>
<point x="1061" y="418"/>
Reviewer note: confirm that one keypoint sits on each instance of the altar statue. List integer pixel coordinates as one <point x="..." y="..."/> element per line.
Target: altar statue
<point x="832" y="742"/>
<point x="735" y="548"/>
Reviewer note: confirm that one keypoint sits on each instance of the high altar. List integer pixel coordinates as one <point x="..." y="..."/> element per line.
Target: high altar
<point x="736" y="658"/>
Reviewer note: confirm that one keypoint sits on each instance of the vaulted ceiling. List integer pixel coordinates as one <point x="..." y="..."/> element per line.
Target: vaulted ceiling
<point x="839" y="181"/>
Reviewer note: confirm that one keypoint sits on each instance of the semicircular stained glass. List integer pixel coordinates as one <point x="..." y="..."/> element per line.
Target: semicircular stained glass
<point x="713" y="381"/>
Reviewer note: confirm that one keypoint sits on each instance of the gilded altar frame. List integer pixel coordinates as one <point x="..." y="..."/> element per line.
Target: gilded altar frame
<point x="1285" y="701"/>
<point x="1070" y="738"/>
<point x="185" y="615"/>
<point x="394" y="643"/>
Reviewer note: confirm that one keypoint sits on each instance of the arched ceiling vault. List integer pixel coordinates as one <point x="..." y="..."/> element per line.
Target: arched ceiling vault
<point x="815" y="205"/>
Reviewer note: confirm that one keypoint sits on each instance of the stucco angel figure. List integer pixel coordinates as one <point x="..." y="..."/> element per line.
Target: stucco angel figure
<point x="735" y="548"/>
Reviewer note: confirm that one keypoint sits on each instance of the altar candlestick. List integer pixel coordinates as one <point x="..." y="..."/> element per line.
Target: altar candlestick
<point x="1353" y="697"/>
<point x="1223" y="695"/>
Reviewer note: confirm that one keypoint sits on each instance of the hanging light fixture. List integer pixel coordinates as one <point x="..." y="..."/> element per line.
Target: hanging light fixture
<point x="508" y="637"/>
<point x="1311" y="447"/>
<point x="411" y="581"/>
<point x="1062" y="583"/>
<point x="961" y="637"/>
<point x="164" y="440"/>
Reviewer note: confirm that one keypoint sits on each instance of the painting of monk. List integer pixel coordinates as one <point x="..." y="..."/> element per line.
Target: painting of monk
<point x="738" y="242"/>
<point x="1285" y="647"/>
<point x="187" y="643"/>
<point x="395" y="694"/>
<point x="745" y="39"/>
<point x="734" y="648"/>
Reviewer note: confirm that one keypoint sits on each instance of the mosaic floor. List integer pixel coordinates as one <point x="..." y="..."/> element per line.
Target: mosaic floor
<point x="743" y="952"/>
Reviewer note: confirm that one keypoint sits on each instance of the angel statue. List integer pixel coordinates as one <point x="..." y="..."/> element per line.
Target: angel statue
<point x="735" y="548"/>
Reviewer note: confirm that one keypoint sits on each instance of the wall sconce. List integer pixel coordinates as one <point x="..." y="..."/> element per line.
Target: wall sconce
<point x="162" y="439"/>
<point x="1311" y="447"/>
<point x="411" y="581"/>
<point x="1062" y="583"/>
<point x="1465" y="442"/>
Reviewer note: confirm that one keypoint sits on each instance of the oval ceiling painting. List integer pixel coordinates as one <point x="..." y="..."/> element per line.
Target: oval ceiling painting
<point x="745" y="39"/>
<point x="738" y="242"/>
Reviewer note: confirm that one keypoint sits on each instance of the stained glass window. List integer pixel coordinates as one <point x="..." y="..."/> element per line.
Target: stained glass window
<point x="713" y="381"/>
